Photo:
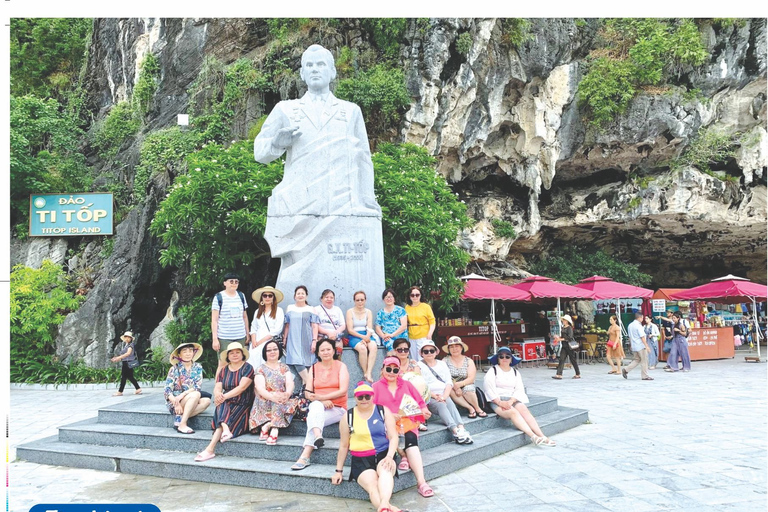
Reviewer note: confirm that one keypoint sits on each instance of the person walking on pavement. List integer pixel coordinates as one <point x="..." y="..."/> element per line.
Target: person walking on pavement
<point x="566" y="338"/>
<point x="639" y="346"/>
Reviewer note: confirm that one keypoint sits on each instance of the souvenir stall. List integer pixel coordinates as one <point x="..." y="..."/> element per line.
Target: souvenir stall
<point x="545" y="289"/>
<point x="483" y="336"/>
<point x="710" y="342"/>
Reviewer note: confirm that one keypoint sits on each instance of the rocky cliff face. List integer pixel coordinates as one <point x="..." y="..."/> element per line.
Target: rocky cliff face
<point x="509" y="136"/>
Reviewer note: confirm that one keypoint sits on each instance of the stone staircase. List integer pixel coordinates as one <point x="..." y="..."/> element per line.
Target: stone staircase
<point x="137" y="437"/>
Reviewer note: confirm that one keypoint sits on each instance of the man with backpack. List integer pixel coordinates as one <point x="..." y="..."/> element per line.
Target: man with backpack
<point x="229" y="318"/>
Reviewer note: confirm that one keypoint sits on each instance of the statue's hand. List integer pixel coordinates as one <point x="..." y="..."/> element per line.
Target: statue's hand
<point x="286" y="136"/>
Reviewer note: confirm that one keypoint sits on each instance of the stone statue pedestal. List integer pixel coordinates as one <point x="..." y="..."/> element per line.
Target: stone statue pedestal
<point x="344" y="253"/>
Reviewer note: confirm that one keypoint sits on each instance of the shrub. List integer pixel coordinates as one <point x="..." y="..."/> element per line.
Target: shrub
<point x="146" y="85"/>
<point x="571" y="264"/>
<point x="121" y="123"/>
<point x="214" y="217"/>
<point x="633" y="53"/>
<point x="421" y="221"/>
<point x="503" y="229"/>
<point x="193" y="324"/>
<point x="44" y="155"/>
<point x="464" y="43"/>
<point x="381" y="95"/>
<point x="387" y="33"/>
<point x="40" y="300"/>
<point x="708" y="148"/>
<point x="515" y="31"/>
<point x="162" y="149"/>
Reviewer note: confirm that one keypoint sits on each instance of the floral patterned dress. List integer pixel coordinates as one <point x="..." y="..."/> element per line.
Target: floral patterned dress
<point x="180" y="380"/>
<point x="280" y="415"/>
<point x="234" y="411"/>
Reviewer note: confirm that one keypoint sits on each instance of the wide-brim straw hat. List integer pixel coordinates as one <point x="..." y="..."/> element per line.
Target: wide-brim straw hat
<point x="198" y="351"/>
<point x="568" y="319"/>
<point x="278" y="294"/>
<point x="454" y="340"/>
<point x="235" y="345"/>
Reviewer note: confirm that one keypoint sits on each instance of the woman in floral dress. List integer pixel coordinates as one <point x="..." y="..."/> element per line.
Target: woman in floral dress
<point x="273" y="407"/>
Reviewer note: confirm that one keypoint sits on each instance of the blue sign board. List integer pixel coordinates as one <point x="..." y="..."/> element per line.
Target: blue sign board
<point x="70" y="214"/>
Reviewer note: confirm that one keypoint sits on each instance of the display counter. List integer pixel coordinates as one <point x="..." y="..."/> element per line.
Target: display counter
<point x="479" y="338"/>
<point x="707" y="343"/>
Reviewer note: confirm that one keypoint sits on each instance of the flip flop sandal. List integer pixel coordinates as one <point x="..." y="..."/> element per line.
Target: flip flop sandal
<point x="473" y="414"/>
<point x="423" y="427"/>
<point x="300" y="464"/>
<point x="425" y="490"/>
<point x="482" y="414"/>
<point x="117" y="394"/>
<point x="185" y="430"/>
<point x="577" y="376"/>
<point x="272" y="440"/>
<point x="404" y="464"/>
<point x="226" y="437"/>
<point x="202" y="458"/>
<point x="538" y="441"/>
<point x="137" y="392"/>
<point x="557" y="377"/>
<point x="264" y="433"/>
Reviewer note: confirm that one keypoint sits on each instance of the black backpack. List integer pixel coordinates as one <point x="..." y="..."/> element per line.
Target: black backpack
<point x="220" y="299"/>
<point x="351" y="415"/>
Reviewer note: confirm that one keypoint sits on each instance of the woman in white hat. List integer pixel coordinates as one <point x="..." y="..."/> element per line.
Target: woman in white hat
<point x="129" y="361"/>
<point x="268" y="322"/>
<point x="566" y="338"/>
<point x="463" y="373"/>
<point x="184" y="384"/>
<point x="233" y="396"/>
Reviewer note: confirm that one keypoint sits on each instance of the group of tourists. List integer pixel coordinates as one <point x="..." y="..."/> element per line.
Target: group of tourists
<point x="290" y="359"/>
<point x="644" y="336"/>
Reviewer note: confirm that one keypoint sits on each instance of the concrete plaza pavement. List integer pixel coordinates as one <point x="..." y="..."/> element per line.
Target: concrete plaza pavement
<point x="688" y="442"/>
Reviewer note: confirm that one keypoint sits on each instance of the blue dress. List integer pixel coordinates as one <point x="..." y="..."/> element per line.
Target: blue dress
<point x="298" y="346"/>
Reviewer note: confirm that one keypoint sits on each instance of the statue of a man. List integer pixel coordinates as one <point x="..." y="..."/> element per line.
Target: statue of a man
<point x="328" y="181"/>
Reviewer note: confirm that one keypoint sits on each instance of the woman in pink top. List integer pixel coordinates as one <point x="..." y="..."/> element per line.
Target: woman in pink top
<point x="405" y="401"/>
<point x="327" y="392"/>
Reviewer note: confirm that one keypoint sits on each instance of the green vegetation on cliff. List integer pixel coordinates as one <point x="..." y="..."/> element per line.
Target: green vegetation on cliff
<point x="632" y="53"/>
<point x="571" y="264"/>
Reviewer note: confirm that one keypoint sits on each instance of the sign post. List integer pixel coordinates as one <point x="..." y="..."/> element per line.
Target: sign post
<point x="83" y="214"/>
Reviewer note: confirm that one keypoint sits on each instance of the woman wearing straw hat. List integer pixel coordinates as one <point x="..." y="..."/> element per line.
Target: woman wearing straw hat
<point x="503" y="386"/>
<point x="233" y="396"/>
<point x="463" y="373"/>
<point x="183" y="386"/>
<point x="566" y="338"/>
<point x="267" y="323"/>
<point x="371" y="439"/>
<point x="129" y="361"/>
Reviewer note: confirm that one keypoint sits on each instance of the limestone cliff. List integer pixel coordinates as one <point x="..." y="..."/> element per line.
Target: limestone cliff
<point x="505" y="125"/>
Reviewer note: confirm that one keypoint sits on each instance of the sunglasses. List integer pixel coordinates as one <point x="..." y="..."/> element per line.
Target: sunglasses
<point x="392" y="369"/>
<point x="415" y="295"/>
<point x="429" y="351"/>
<point x="359" y="300"/>
<point x="234" y="281"/>
<point x="505" y="357"/>
<point x="267" y="296"/>
<point x="402" y="350"/>
<point x="273" y="350"/>
<point x="364" y="397"/>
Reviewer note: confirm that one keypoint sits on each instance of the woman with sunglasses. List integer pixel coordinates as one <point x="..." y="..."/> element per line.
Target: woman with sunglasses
<point x="272" y="409"/>
<point x="360" y="329"/>
<point x="438" y="378"/>
<point x="391" y="321"/>
<point x="463" y="372"/>
<point x="503" y="386"/>
<point x="268" y="322"/>
<point x="410" y="411"/>
<point x="421" y="321"/>
<point x="327" y="393"/>
<point x="411" y="371"/>
<point x="368" y="434"/>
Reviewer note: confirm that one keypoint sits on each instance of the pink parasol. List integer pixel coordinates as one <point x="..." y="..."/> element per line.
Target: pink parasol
<point x="605" y="288"/>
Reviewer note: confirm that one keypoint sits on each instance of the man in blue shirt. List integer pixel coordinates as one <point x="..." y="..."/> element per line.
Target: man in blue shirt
<point x="640" y="348"/>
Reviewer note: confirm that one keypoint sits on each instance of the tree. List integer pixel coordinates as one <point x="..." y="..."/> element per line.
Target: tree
<point x="572" y="264"/>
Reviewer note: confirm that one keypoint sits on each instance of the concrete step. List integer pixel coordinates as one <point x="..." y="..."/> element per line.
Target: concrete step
<point x="151" y="412"/>
<point x="235" y="464"/>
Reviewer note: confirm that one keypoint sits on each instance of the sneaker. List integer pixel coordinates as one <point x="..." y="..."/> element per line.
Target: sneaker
<point x="463" y="436"/>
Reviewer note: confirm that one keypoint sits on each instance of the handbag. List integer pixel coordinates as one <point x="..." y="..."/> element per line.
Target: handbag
<point x="573" y="345"/>
<point x="612" y="344"/>
<point x="667" y="346"/>
<point x="482" y="401"/>
<point x="134" y="363"/>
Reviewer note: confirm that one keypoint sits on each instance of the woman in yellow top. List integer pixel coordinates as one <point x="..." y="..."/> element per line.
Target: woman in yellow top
<point x="421" y="321"/>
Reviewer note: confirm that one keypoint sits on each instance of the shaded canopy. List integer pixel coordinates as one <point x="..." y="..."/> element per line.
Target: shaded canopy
<point x="541" y="287"/>
<point x="603" y="288"/>
<point x="480" y="289"/>
<point x="666" y="293"/>
<point x="725" y="290"/>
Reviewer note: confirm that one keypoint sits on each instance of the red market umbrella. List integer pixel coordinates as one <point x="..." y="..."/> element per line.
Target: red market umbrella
<point x="729" y="290"/>
<point x="541" y="287"/>
<point x="603" y="288"/>
<point x="725" y="290"/>
<point x="480" y="288"/>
